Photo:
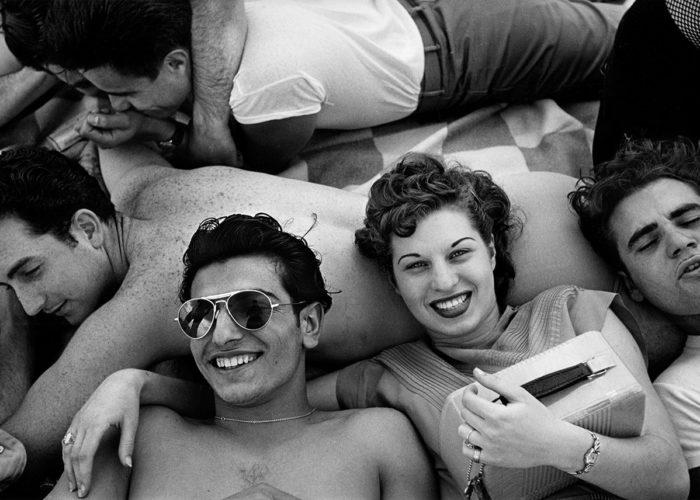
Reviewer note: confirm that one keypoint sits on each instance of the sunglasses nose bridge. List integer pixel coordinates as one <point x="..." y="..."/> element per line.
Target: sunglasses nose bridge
<point x="226" y="328"/>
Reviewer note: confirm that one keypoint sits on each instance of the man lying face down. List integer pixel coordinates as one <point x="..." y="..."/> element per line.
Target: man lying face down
<point x="641" y="212"/>
<point x="253" y="303"/>
<point x="308" y="65"/>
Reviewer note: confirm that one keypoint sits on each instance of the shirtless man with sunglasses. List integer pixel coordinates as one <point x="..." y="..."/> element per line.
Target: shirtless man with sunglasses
<point x="254" y="302"/>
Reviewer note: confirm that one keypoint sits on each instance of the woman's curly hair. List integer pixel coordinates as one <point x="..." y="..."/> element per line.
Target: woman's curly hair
<point x="420" y="185"/>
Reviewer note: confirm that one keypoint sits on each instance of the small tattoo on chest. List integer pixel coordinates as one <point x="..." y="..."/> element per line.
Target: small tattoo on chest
<point x="254" y="474"/>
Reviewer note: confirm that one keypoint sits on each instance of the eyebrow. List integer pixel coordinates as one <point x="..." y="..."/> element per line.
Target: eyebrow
<point x="461" y="240"/>
<point x="683" y="209"/>
<point x="13" y="270"/>
<point x="454" y="244"/>
<point x="640" y="233"/>
<point x="644" y="230"/>
<point x="268" y="293"/>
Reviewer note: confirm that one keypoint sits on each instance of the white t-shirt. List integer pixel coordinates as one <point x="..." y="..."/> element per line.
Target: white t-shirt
<point x="679" y="389"/>
<point x="357" y="63"/>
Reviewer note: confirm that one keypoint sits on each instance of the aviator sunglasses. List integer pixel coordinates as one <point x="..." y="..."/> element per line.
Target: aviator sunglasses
<point x="249" y="309"/>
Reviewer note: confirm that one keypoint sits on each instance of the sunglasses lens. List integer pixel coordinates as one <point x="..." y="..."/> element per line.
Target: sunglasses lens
<point x="251" y="310"/>
<point x="195" y="317"/>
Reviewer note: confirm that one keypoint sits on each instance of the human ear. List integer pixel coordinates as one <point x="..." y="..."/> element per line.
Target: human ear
<point x="310" y="321"/>
<point x="177" y="61"/>
<point x="634" y="292"/>
<point x="492" y="252"/>
<point x="87" y="224"/>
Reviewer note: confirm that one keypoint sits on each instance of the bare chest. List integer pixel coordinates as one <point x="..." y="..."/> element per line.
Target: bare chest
<point x="305" y="468"/>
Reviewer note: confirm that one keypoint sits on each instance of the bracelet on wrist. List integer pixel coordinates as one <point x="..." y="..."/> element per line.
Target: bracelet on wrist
<point x="590" y="457"/>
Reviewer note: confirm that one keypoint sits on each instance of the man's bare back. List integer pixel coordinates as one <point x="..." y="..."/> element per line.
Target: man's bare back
<point x="167" y="205"/>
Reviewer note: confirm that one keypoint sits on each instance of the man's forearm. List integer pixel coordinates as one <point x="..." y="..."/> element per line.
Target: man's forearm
<point x="187" y="398"/>
<point x="16" y="354"/>
<point x="219" y="29"/>
<point x="18" y="90"/>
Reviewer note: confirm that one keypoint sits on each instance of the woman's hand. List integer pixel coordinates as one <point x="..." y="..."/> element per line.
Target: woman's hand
<point x="115" y="403"/>
<point x="13" y="458"/>
<point x="523" y="433"/>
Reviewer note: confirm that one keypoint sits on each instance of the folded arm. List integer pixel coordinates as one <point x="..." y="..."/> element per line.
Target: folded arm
<point x="219" y="29"/>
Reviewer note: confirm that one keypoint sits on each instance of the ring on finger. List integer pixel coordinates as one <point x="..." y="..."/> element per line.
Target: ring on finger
<point x="68" y="439"/>
<point x="467" y="441"/>
<point x="477" y="455"/>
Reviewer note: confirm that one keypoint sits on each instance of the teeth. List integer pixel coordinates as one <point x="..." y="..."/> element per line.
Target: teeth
<point x="692" y="267"/>
<point x="453" y="302"/>
<point x="234" y="361"/>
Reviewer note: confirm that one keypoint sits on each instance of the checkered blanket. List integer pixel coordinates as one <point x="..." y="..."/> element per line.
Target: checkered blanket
<point x="501" y="139"/>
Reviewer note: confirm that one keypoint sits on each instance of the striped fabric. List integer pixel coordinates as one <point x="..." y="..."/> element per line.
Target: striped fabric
<point x="530" y="329"/>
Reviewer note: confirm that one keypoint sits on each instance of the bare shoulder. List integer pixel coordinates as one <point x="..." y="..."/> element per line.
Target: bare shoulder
<point x="386" y="439"/>
<point x="154" y="417"/>
<point x="159" y="429"/>
<point x="135" y="327"/>
<point x="372" y="426"/>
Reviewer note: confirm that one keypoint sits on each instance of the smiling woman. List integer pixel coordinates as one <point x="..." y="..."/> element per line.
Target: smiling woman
<point x="442" y="236"/>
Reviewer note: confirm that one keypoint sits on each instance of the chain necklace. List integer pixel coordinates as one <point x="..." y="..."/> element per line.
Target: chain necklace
<point x="269" y="421"/>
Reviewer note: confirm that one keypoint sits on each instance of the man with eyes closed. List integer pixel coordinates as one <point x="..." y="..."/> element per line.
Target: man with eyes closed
<point x="641" y="212"/>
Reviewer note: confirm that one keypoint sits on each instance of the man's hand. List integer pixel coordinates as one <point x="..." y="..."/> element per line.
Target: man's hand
<point x="110" y="129"/>
<point x="115" y="403"/>
<point x="262" y="491"/>
<point x="13" y="458"/>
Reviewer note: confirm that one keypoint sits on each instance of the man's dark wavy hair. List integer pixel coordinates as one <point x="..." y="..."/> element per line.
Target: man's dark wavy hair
<point x="22" y="26"/>
<point x="44" y="189"/>
<point x="238" y="235"/>
<point x="130" y="36"/>
<point x="638" y="163"/>
<point x="420" y="185"/>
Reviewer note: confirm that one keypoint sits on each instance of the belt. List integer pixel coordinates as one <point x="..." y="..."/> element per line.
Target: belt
<point x="433" y="84"/>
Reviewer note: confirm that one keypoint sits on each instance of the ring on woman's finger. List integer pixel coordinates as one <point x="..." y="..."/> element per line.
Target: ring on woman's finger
<point x="2" y="448"/>
<point x="477" y="455"/>
<point x="467" y="442"/>
<point x="68" y="439"/>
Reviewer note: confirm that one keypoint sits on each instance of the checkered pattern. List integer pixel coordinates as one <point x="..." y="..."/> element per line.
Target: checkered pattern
<point x="686" y="15"/>
<point x="500" y="139"/>
<point x="542" y="136"/>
